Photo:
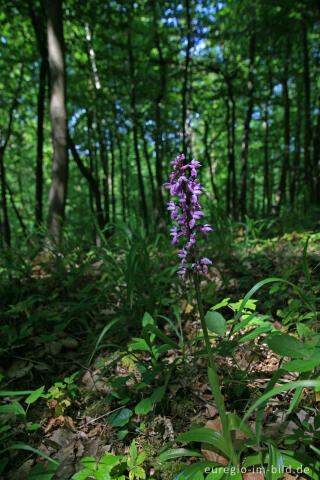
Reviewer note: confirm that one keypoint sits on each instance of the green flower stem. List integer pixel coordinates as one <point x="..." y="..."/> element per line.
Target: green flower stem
<point x="213" y="376"/>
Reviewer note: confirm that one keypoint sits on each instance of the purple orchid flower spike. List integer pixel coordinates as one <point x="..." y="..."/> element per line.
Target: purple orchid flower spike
<point x="186" y="211"/>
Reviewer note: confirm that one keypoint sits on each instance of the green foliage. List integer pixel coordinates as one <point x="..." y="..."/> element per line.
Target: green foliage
<point x="114" y="467"/>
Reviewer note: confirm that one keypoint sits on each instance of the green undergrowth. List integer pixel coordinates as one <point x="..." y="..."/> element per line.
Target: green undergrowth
<point x="109" y="336"/>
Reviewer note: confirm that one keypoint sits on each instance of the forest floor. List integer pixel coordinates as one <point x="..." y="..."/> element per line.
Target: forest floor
<point x="99" y="389"/>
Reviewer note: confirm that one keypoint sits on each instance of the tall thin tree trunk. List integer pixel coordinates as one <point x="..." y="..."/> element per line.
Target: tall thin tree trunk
<point x="3" y="145"/>
<point x="208" y="158"/>
<point x="316" y="157"/>
<point x="307" y="123"/>
<point x="231" y="135"/>
<point x="246" y="129"/>
<point x="266" y="181"/>
<point x="133" y="108"/>
<point x="297" y="147"/>
<point x="113" y="194"/>
<point x="58" y="116"/>
<point x="148" y="162"/>
<point x="185" y="136"/>
<point x="6" y="224"/>
<point x="158" y="106"/>
<point x="281" y="195"/>
<point x="40" y="32"/>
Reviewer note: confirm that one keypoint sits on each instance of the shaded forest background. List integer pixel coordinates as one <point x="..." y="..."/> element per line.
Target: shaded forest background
<point x="234" y="84"/>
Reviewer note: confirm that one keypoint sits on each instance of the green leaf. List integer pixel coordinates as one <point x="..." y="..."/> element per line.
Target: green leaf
<point x="201" y="467"/>
<point x="158" y="394"/>
<point x="122" y="434"/>
<point x="13" y="407"/>
<point x="254" y="333"/>
<point x="141" y="457"/>
<point x="216" y="323"/>
<point x="178" y="452"/>
<point x="223" y="303"/>
<point x="34" y="395"/>
<point x="121" y="418"/>
<point x="22" y="446"/>
<point x="147" y="319"/>
<point x="205" y="435"/>
<point x="89" y="462"/>
<point x="34" y="426"/>
<point x="133" y="450"/>
<point x="42" y="472"/>
<point x="162" y="336"/>
<point x="300" y="365"/>
<point x="82" y="475"/>
<point x="277" y="390"/>
<point x="287" y="346"/>
<point x="143" y="407"/>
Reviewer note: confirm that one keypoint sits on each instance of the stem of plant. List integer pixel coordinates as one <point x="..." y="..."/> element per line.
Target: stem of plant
<point x="213" y="377"/>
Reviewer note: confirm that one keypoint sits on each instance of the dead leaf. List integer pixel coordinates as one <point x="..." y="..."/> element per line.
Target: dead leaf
<point x="209" y="452"/>
<point x="252" y="476"/>
<point x="94" y="431"/>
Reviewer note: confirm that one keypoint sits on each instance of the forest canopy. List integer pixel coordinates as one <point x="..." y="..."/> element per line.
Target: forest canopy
<point x="234" y="84"/>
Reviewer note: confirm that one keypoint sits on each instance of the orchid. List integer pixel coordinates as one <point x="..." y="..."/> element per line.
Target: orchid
<point x="186" y="211"/>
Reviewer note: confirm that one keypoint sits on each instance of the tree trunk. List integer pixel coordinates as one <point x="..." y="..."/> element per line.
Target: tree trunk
<point x="148" y="162"/>
<point x="307" y="122"/>
<point x="3" y="145"/>
<point x="58" y="117"/>
<point x="231" y="135"/>
<point x="281" y="195"/>
<point x="158" y="105"/>
<point x="133" y="108"/>
<point x="40" y="32"/>
<point x="246" y="129"/>
<point x="208" y="158"/>
<point x="185" y="136"/>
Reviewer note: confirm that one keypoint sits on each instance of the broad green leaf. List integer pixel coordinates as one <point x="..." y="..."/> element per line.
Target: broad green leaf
<point x="300" y="365"/>
<point x="143" y="407"/>
<point x="34" y="426"/>
<point x="235" y="423"/>
<point x="205" y="435"/>
<point x="216" y="474"/>
<point x="178" y="452"/>
<point x="34" y="395"/>
<point x="141" y="457"/>
<point x="13" y="407"/>
<point x="254" y="333"/>
<point x="122" y="434"/>
<point x="287" y="346"/>
<point x="277" y="390"/>
<point x="89" y="462"/>
<point x="223" y="303"/>
<point x="121" y="418"/>
<point x="42" y="472"/>
<point x="216" y="323"/>
<point x="133" y="450"/>
<point x="202" y="467"/>
<point x="158" y="394"/>
<point x="82" y="474"/>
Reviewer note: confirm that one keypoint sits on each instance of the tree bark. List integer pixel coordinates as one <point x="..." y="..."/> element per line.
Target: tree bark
<point x="134" y="117"/>
<point x="58" y="117"/>
<point x="40" y="32"/>
<point x="307" y="123"/>
<point x="246" y="129"/>
<point x="231" y="137"/>
<point x="158" y="105"/>
<point x="281" y="195"/>
<point x="3" y="145"/>
<point x="185" y="136"/>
